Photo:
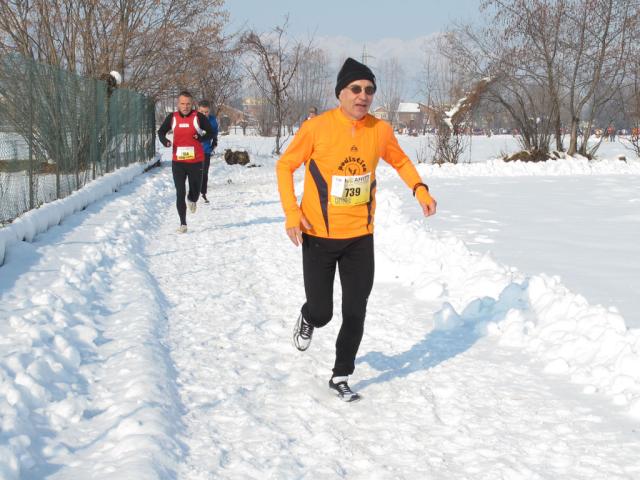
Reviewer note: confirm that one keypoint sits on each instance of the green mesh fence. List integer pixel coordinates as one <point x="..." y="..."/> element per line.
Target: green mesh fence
<point x="59" y="131"/>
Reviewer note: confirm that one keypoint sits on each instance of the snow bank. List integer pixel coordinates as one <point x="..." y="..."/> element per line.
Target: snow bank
<point x="86" y="385"/>
<point x="500" y="168"/>
<point x="589" y="343"/>
<point x="538" y="314"/>
<point x="37" y="221"/>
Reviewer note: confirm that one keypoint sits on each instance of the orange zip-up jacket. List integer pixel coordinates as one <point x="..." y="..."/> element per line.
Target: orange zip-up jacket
<point x="333" y="146"/>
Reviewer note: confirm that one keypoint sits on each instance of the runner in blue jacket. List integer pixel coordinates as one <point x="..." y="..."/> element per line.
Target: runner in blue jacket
<point x="208" y="145"/>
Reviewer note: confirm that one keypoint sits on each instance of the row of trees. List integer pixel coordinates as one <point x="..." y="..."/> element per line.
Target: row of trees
<point x="158" y="53"/>
<point x="550" y="66"/>
<point x="554" y="66"/>
<point x="148" y="41"/>
<point x="556" y="69"/>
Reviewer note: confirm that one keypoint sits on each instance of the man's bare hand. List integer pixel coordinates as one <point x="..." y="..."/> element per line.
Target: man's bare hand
<point x="295" y="234"/>
<point x="429" y="208"/>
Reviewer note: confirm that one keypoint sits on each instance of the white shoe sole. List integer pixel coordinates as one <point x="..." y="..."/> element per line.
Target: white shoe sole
<point x="299" y="342"/>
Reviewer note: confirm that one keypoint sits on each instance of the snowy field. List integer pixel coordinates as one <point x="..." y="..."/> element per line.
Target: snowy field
<point x="129" y="351"/>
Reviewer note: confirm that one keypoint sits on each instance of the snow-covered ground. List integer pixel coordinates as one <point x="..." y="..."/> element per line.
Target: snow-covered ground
<point x="594" y="246"/>
<point x="129" y="351"/>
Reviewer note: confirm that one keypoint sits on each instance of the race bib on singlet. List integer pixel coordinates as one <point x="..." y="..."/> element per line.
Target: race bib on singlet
<point x="350" y="190"/>
<point x="185" y="153"/>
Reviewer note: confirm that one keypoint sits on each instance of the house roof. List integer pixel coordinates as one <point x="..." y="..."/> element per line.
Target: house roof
<point x="409" y="107"/>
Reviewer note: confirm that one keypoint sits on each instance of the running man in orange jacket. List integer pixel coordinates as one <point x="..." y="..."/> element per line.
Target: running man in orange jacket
<point x="334" y="223"/>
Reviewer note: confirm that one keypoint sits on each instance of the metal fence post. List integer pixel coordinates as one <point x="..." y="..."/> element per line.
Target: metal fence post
<point x="30" y="106"/>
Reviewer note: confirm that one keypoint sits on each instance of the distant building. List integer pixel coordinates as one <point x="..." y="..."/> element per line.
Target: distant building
<point x="381" y="113"/>
<point x="413" y="116"/>
<point x="410" y="116"/>
<point x="228" y="116"/>
<point x="253" y="107"/>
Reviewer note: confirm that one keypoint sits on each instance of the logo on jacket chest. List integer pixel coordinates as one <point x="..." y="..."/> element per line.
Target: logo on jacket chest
<point x="352" y="166"/>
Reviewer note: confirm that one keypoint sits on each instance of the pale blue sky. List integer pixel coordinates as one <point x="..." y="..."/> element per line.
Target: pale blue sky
<point x="399" y="29"/>
<point x="361" y="20"/>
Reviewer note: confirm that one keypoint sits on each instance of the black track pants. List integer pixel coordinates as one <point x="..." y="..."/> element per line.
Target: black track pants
<point x="193" y="173"/>
<point x="355" y="260"/>
<point x="205" y="173"/>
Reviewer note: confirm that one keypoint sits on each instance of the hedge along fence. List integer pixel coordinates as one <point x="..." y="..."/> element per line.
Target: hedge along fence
<point x="59" y="131"/>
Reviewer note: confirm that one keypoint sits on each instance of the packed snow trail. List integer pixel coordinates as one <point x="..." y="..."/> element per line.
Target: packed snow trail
<point x="438" y="403"/>
<point x="86" y="386"/>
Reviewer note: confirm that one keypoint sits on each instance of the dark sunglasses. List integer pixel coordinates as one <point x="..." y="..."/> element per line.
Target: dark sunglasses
<point x="356" y="89"/>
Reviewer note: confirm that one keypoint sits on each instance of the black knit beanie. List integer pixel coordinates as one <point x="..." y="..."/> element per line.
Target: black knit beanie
<point x="353" y="70"/>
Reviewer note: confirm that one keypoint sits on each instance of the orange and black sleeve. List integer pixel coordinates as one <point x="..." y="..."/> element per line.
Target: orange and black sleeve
<point x="298" y="152"/>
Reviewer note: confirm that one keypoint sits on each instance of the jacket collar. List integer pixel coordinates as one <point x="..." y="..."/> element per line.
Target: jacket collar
<point x="354" y="123"/>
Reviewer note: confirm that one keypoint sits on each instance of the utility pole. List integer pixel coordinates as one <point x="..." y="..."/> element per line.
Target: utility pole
<point x="365" y="56"/>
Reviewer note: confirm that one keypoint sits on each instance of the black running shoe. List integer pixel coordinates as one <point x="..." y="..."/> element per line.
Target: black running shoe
<point x="204" y="197"/>
<point x="302" y="333"/>
<point x="341" y="387"/>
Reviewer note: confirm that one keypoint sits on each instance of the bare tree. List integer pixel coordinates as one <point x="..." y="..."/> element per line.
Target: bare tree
<point x="391" y="84"/>
<point x="548" y="57"/>
<point x="139" y="38"/>
<point x="631" y="101"/>
<point x="276" y="61"/>
<point x="311" y="85"/>
<point x="442" y="86"/>
<point x="218" y="74"/>
<point x="598" y="37"/>
<point x="518" y="84"/>
<point x="433" y="67"/>
<point x="263" y="110"/>
<point x="484" y="53"/>
<point x="535" y="27"/>
<point x="449" y="140"/>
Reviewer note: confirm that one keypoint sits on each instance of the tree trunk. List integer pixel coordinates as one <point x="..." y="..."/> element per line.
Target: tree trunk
<point x="585" y="140"/>
<point x="573" y="139"/>
<point x="558" y="132"/>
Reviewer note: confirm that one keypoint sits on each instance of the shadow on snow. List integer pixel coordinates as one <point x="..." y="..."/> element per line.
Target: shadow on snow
<point x="454" y="334"/>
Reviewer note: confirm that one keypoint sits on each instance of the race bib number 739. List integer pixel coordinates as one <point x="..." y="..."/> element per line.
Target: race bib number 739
<point x="348" y="191"/>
